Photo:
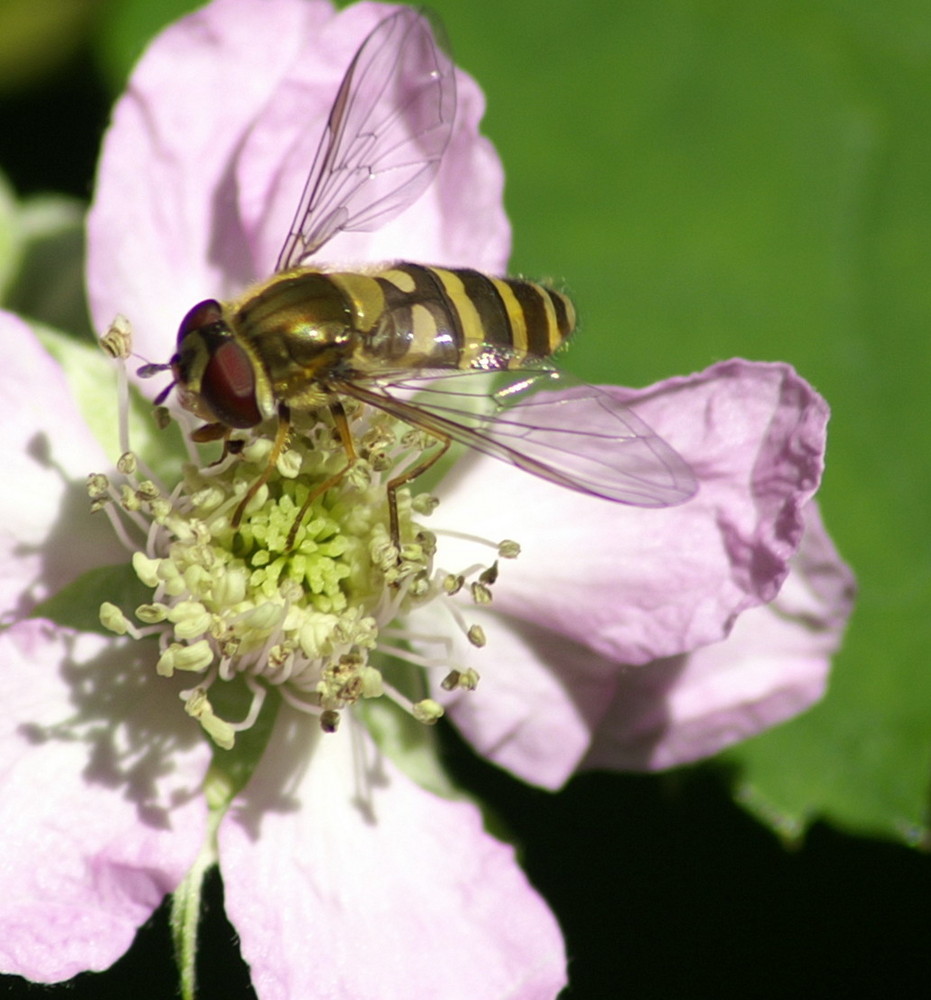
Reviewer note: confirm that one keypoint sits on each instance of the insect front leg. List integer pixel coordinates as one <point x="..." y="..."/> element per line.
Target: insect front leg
<point x="341" y="422"/>
<point x="281" y="437"/>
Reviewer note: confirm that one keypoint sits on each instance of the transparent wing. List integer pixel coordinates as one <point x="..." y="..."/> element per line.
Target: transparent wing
<point x="544" y="422"/>
<point x="384" y="139"/>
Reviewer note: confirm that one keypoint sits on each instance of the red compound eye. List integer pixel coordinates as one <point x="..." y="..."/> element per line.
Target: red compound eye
<point x="228" y="384"/>
<point x="214" y="372"/>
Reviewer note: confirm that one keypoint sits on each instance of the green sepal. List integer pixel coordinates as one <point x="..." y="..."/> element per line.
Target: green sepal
<point x="77" y="605"/>
<point x="92" y="377"/>
<point x="231" y="769"/>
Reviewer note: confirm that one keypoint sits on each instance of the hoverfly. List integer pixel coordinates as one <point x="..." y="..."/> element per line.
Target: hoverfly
<point x="418" y="342"/>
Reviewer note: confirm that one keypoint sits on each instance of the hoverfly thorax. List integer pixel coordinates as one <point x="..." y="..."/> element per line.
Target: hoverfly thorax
<point x="215" y="373"/>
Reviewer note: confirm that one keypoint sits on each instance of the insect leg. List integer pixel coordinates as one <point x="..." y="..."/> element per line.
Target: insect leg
<point x="218" y="432"/>
<point x="345" y="437"/>
<point x="281" y="436"/>
<point x="395" y="484"/>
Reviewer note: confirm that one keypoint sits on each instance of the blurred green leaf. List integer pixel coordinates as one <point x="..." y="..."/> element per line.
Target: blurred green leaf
<point x="720" y="177"/>
<point x="48" y="283"/>
<point x="9" y="237"/>
<point x="92" y="377"/>
<point x="36" y="38"/>
<point x="127" y="26"/>
<point x="78" y="604"/>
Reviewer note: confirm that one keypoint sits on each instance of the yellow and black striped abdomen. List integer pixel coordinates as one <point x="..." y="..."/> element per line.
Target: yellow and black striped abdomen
<point x="459" y="318"/>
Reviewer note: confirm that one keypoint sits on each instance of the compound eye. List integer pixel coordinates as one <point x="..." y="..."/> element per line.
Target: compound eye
<point x="201" y="318"/>
<point x="228" y="385"/>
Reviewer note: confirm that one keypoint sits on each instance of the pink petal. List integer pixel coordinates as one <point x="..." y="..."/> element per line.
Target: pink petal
<point x="635" y="585"/>
<point x="162" y="230"/>
<point x="381" y="889"/>
<point x="545" y="707"/>
<point x="595" y="590"/>
<point x="48" y="535"/>
<point x="98" y="800"/>
<point x="539" y="699"/>
<point x="207" y="155"/>
<point x="773" y="666"/>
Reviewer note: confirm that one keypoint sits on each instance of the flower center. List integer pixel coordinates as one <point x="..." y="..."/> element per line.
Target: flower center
<point x="273" y="603"/>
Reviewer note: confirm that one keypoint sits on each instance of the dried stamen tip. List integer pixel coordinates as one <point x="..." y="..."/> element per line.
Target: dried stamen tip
<point x="117" y="342"/>
<point x="465" y="680"/>
<point x="476" y="636"/>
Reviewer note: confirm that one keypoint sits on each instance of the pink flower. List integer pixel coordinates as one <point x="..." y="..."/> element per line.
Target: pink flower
<point x="617" y="638"/>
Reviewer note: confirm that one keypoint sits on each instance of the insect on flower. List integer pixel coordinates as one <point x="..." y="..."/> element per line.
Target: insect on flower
<point x="452" y="352"/>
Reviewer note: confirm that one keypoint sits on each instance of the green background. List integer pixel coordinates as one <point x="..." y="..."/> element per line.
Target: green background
<point x="708" y="179"/>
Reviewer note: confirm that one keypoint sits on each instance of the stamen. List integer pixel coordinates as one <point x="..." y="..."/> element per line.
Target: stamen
<point x="301" y="594"/>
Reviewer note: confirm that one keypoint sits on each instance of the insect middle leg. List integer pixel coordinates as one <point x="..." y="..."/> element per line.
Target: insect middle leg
<point x="411" y="474"/>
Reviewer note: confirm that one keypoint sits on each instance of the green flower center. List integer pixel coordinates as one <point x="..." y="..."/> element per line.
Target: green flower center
<point x="241" y="604"/>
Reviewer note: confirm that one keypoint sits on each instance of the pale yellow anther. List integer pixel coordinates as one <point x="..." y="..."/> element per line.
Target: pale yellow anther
<point x="161" y="508"/>
<point x="468" y="680"/>
<point x="128" y="499"/>
<point x="424" y="504"/>
<point x="419" y="586"/>
<point x="198" y="707"/>
<point x="152" y="614"/>
<point x="373" y="684"/>
<point x="263" y="618"/>
<point x="508" y="549"/>
<point x="230" y="587"/>
<point x="359" y="477"/>
<point x="208" y="498"/>
<point x="427" y="711"/>
<point x="197" y="578"/>
<point x="191" y="619"/>
<point x="411" y="552"/>
<point x="289" y="464"/>
<point x="194" y="658"/>
<point x="127" y="463"/>
<point x="113" y="619"/>
<point x="221" y="732"/>
<point x="146" y="569"/>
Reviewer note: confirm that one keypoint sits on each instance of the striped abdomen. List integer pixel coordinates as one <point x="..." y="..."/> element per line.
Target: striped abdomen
<point x="433" y="317"/>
